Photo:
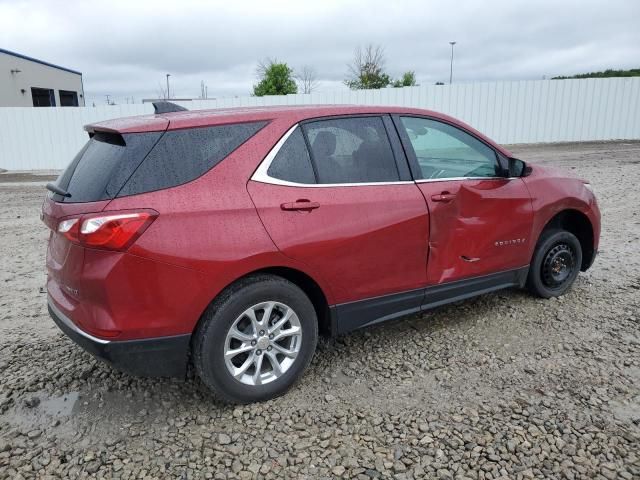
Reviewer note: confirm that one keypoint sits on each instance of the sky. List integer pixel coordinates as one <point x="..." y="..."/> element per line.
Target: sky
<point x="125" y="48"/>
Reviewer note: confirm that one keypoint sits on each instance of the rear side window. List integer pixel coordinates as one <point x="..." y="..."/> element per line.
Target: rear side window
<point x="183" y="155"/>
<point x="292" y="162"/>
<point x="351" y="150"/>
<point x="103" y="165"/>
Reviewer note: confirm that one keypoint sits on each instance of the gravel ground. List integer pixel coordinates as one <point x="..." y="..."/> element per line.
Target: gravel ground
<point x="501" y="386"/>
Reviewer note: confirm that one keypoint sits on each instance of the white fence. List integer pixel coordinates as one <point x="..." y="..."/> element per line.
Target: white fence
<point x="509" y="112"/>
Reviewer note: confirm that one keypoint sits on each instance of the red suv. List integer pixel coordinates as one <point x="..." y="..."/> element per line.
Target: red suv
<point x="229" y="238"/>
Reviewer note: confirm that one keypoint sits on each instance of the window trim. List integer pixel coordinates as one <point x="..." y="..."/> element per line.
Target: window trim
<point x="413" y="161"/>
<point x="261" y="175"/>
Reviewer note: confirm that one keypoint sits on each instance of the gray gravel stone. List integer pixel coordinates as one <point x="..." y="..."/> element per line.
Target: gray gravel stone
<point x="501" y="386"/>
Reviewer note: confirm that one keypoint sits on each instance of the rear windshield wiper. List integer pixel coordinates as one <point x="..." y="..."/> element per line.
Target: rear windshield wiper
<point x="56" y="189"/>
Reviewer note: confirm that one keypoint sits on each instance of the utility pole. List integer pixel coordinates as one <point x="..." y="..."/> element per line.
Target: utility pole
<point x="168" y="96"/>
<point x="451" y="68"/>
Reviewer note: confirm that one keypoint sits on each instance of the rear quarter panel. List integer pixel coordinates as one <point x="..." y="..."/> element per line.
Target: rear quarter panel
<point x="212" y="226"/>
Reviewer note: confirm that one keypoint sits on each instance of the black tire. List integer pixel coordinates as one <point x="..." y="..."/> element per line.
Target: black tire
<point x="210" y="339"/>
<point x="555" y="265"/>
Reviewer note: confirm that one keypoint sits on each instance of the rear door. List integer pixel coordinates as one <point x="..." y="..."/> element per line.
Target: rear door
<point x="480" y="220"/>
<point x="336" y="194"/>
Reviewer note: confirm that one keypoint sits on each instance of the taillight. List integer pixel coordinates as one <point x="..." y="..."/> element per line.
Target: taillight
<point x="111" y="231"/>
<point x="69" y="228"/>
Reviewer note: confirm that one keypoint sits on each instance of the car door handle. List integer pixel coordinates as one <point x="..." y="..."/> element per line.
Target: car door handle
<point x="443" y="197"/>
<point x="301" y="204"/>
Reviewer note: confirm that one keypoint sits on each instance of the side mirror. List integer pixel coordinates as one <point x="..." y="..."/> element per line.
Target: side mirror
<point x="518" y="168"/>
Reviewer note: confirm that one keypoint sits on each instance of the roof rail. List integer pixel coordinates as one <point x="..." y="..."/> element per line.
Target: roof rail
<point x="167" y="107"/>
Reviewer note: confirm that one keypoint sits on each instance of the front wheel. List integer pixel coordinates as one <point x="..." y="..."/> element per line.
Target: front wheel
<point x="556" y="264"/>
<point x="256" y="339"/>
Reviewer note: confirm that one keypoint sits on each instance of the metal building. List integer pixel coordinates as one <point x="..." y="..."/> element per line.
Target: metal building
<point x="29" y="82"/>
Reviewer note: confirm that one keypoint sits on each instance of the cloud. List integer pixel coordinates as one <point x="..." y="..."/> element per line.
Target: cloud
<point x="124" y="48"/>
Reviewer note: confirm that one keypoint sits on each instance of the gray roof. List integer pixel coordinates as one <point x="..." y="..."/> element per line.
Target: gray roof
<point x="31" y="59"/>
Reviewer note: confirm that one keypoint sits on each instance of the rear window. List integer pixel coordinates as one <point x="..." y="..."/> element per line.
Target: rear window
<point x="103" y="165"/>
<point x="292" y="163"/>
<point x="351" y="150"/>
<point x="112" y="165"/>
<point x="183" y="155"/>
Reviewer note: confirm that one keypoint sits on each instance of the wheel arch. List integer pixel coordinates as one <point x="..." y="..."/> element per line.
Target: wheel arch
<point x="577" y="223"/>
<point x="311" y="288"/>
<point x="299" y="278"/>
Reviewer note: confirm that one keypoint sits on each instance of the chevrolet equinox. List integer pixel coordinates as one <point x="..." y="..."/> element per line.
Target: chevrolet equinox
<point x="228" y="239"/>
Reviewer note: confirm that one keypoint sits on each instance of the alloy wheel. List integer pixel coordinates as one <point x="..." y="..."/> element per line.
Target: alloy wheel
<point x="262" y="343"/>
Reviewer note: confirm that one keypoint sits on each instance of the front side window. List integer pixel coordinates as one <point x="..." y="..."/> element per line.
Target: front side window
<point x="444" y="151"/>
<point x="351" y="150"/>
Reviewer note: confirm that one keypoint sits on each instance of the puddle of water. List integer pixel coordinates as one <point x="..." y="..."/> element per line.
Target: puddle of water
<point x="50" y="410"/>
<point x="628" y="412"/>
<point x="62" y="406"/>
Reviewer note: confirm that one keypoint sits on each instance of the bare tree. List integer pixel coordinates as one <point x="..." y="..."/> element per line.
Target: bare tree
<point x="263" y="66"/>
<point x="161" y="92"/>
<point x="307" y="79"/>
<point x="367" y="69"/>
<point x="204" y="90"/>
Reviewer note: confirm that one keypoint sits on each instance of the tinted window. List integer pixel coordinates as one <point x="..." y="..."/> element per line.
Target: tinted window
<point x="292" y="163"/>
<point x="183" y="155"/>
<point x="103" y="165"/>
<point x="444" y="151"/>
<point x="351" y="150"/>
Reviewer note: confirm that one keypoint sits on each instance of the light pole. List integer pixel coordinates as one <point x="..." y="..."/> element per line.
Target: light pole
<point x="168" y="96"/>
<point x="451" y="68"/>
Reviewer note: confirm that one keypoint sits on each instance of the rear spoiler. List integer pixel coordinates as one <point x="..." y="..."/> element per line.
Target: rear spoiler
<point x="167" y="107"/>
<point x="139" y="124"/>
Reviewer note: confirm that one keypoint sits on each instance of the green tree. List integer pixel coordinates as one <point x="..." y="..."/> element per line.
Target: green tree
<point x="275" y="79"/>
<point x="634" y="72"/>
<point x="367" y="69"/>
<point x="408" y="79"/>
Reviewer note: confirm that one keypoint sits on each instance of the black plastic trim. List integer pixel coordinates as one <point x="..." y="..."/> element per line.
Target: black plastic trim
<point x="363" y="313"/>
<point x="152" y="357"/>
<point x="398" y="151"/>
<point x="462" y="289"/>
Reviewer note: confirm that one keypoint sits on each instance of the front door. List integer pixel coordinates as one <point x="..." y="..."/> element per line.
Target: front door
<point x="480" y="220"/>
<point x="335" y="199"/>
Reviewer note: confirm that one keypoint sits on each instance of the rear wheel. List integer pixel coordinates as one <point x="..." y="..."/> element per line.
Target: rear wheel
<point x="256" y="339"/>
<point x="556" y="264"/>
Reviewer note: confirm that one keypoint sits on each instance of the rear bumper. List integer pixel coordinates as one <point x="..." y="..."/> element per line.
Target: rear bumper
<point x="151" y="357"/>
